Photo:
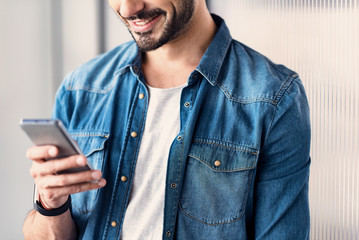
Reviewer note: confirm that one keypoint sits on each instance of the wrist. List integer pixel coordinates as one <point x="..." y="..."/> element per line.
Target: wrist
<point x="50" y="212"/>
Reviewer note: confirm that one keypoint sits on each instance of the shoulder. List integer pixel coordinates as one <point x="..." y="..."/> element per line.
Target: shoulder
<point x="98" y="74"/>
<point x="248" y="76"/>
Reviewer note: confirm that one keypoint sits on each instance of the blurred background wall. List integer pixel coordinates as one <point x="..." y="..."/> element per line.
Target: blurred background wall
<point x="42" y="40"/>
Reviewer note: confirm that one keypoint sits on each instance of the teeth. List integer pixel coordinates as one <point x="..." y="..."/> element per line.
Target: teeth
<point x="143" y="22"/>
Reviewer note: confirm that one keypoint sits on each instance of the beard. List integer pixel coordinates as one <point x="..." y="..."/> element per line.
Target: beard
<point x="173" y="27"/>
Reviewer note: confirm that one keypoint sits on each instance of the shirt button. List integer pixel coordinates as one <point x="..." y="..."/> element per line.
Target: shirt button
<point x="136" y="69"/>
<point x="173" y="185"/>
<point x="179" y="138"/>
<point x="141" y="96"/>
<point x="168" y="234"/>
<point x="217" y="163"/>
<point x="124" y="179"/>
<point x="133" y="134"/>
<point x="113" y="224"/>
<point x="187" y="104"/>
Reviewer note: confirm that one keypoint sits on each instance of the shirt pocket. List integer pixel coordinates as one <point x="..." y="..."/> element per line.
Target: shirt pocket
<point x="217" y="181"/>
<point x="92" y="145"/>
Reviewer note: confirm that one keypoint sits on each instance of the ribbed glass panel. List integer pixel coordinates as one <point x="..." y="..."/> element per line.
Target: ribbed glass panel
<point x="320" y="40"/>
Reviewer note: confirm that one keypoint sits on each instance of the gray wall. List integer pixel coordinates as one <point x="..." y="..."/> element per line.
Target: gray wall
<point x="25" y="92"/>
<point x="41" y="41"/>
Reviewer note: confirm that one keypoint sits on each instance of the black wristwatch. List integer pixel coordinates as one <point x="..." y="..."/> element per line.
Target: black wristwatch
<point x="50" y="212"/>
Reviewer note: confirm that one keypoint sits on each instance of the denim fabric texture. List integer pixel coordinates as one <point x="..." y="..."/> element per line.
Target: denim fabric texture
<point x="238" y="169"/>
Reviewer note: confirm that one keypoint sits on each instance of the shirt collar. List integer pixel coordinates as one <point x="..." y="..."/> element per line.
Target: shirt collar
<point x="211" y="62"/>
<point x="132" y="60"/>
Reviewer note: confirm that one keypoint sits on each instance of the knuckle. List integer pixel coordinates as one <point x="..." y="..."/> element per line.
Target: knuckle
<point x="61" y="181"/>
<point x="40" y="185"/>
<point x="52" y="166"/>
<point x="76" y="188"/>
<point x="41" y="171"/>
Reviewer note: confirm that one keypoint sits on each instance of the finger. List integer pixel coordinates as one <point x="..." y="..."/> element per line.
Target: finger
<point x="55" y="193"/>
<point x="34" y="168"/>
<point x="62" y="180"/>
<point x="42" y="152"/>
<point x="58" y="165"/>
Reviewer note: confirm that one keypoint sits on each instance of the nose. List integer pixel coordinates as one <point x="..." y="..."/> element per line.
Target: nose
<point x="127" y="8"/>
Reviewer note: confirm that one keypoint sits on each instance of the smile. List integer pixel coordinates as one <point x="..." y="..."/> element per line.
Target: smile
<point x="143" y="25"/>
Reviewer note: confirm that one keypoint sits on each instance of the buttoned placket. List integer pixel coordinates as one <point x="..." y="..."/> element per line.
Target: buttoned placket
<point x="128" y="162"/>
<point x="176" y="162"/>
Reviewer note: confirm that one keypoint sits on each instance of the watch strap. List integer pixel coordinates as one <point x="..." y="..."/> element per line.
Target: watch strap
<point x="52" y="212"/>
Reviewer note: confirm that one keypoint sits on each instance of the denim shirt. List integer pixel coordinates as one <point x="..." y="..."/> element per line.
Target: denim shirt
<point x="239" y="167"/>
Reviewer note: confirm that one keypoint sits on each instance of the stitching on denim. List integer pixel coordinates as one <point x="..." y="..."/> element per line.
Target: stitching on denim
<point x="135" y="153"/>
<point x="175" y="209"/>
<point x="122" y="70"/>
<point x="219" y="170"/>
<point x="71" y="87"/>
<point x="238" y="149"/>
<point x="93" y="135"/>
<point x="96" y="150"/>
<point x="282" y="89"/>
<point x="276" y="110"/>
<point x="225" y="222"/>
<point x="218" y="64"/>
<point x="210" y="224"/>
<point x="90" y="135"/>
<point x="205" y="76"/>
<point x="91" y="90"/>
<point x="117" y="180"/>
<point x="225" y="143"/>
<point x="242" y="101"/>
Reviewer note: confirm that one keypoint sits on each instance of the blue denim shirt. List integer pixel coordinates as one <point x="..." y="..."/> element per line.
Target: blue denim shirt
<point x="239" y="167"/>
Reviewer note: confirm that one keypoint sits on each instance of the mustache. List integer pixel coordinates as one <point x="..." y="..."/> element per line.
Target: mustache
<point x="145" y="14"/>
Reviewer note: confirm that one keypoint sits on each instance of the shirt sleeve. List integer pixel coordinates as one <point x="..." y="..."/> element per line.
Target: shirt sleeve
<point x="281" y="208"/>
<point x="63" y="107"/>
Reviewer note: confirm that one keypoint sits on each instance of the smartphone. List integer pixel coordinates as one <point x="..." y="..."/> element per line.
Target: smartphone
<point x="52" y="132"/>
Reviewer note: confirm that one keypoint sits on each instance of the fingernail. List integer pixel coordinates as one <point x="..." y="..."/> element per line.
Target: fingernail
<point x="96" y="175"/>
<point x="80" y="161"/>
<point x="102" y="182"/>
<point x="52" y="152"/>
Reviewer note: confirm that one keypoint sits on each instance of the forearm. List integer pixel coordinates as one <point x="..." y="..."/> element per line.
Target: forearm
<point x="37" y="226"/>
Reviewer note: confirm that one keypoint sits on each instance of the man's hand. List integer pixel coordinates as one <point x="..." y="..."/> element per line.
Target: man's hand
<point x="53" y="188"/>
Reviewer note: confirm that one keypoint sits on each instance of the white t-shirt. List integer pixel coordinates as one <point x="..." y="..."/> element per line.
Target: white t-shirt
<point x="144" y="214"/>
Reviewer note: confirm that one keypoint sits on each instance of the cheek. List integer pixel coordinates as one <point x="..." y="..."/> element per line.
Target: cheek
<point x="114" y="4"/>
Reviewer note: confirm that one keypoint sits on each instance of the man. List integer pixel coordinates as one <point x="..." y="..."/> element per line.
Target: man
<point x="197" y="136"/>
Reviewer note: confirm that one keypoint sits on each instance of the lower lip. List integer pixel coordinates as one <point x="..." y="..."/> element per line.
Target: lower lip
<point x="146" y="27"/>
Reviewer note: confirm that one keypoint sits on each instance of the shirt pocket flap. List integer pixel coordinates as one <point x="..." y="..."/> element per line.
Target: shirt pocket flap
<point x="224" y="157"/>
<point x="90" y="142"/>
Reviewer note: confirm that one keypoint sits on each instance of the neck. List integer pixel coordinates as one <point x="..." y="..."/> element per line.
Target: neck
<point x="171" y="64"/>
